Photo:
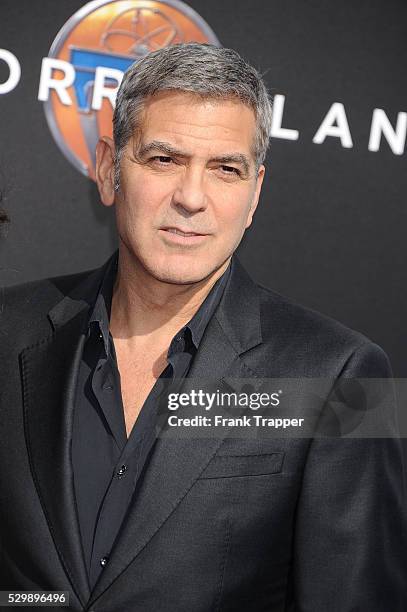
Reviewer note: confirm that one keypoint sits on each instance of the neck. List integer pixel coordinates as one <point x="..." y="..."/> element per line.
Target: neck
<point x="143" y="306"/>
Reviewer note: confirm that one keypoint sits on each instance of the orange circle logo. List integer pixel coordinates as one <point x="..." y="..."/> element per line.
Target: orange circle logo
<point x="88" y="57"/>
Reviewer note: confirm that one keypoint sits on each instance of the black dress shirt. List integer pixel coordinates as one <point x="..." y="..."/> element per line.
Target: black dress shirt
<point x="108" y="466"/>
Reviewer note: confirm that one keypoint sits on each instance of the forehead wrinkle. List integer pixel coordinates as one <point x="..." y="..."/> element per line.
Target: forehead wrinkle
<point x="177" y="133"/>
<point x="179" y="113"/>
<point x="182" y="126"/>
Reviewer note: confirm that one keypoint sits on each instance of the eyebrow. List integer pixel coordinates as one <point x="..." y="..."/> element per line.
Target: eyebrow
<point x="168" y="149"/>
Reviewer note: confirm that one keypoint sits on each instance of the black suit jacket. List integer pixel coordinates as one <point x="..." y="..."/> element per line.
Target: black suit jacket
<point x="304" y="525"/>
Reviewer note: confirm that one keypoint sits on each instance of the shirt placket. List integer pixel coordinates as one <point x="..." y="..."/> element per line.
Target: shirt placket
<point x="114" y="507"/>
<point x="131" y="458"/>
<point x="106" y="387"/>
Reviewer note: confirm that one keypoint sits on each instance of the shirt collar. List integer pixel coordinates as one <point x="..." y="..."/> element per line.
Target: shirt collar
<point x="201" y="318"/>
<point x="100" y="315"/>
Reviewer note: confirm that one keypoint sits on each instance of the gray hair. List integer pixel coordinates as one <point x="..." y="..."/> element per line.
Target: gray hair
<point x="202" y="69"/>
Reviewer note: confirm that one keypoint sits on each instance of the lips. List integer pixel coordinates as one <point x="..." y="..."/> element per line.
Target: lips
<point x="180" y="232"/>
<point x="176" y="237"/>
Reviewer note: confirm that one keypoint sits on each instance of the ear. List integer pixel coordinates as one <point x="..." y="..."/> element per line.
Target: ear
<point x="256" y="195"/>
<point x="105" y="153"/>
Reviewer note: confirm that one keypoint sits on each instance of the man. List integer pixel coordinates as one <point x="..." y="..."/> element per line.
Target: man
<point x="94" y="500"/>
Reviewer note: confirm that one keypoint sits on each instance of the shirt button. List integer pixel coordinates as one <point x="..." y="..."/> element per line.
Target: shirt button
<point x="103" y="561"/>
<point x="120" y="473"/>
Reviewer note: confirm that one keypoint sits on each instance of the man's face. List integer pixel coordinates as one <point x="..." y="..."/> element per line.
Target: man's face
<point x="188" y="186"/>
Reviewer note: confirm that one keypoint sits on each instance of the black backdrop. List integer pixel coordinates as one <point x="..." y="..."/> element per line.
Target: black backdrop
<point x="330" y="229"/>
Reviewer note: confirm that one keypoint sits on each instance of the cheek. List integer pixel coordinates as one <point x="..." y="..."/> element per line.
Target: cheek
<point x="232" y="211"/>
<point x="141" y="201"/>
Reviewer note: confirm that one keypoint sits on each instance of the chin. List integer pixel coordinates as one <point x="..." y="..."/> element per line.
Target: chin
<point x="182" y="272"/>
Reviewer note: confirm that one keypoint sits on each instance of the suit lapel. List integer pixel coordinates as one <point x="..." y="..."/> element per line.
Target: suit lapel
<point x="175" y="464"/>
<point x="49" y="371"/>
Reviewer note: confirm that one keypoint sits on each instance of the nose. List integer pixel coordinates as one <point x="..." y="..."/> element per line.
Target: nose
<point x="189" y="194"/>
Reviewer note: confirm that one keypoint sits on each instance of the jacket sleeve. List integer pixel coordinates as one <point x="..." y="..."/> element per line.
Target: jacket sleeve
<point x="350" y="545"/>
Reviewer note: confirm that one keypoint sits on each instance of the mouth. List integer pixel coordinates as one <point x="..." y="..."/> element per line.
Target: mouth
<point x="177" y="236"/>
<point x="179" y="232"/>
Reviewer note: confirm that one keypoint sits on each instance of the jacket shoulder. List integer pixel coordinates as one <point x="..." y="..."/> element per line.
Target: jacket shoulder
<point x="315" y="344"/>
<point x="41" y="291"/>
<point x="299" y="318"/>
<point x="26" y="304"/>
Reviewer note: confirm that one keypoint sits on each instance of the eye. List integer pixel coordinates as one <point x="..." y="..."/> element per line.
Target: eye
<point x="231" y="170"/>
<point x="162" y="159"/>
